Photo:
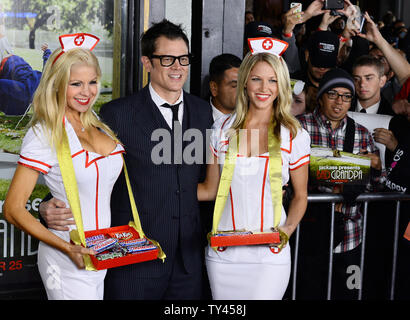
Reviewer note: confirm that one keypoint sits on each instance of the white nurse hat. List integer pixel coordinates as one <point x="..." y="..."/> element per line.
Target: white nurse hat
<point x="267" y="45"/>
<point x="77" y="40"/>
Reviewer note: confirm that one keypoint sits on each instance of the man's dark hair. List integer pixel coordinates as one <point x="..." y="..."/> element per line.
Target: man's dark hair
<point x="164" y="28"/>
<point x="220" y="64"/>
<point x="368" y="60"/>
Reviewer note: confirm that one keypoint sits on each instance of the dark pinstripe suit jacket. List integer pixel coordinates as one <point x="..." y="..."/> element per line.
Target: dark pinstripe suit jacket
<point x="166" y="194"/>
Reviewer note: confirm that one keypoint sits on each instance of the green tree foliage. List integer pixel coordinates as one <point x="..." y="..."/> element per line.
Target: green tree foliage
<point x="63" y="16"/>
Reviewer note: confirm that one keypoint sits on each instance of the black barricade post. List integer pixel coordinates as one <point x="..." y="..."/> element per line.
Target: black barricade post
<point x="366" y="198"/>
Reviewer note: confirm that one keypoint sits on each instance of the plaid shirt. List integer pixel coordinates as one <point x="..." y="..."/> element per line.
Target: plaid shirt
<point x="322" y="134"/>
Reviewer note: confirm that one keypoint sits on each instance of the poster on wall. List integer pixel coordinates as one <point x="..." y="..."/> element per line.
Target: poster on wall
<point x="29" y="31"/>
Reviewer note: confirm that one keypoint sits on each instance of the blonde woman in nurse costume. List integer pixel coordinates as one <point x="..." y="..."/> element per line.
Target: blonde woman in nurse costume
<point x="264" y="98"/>
<point x="63" y="101"/>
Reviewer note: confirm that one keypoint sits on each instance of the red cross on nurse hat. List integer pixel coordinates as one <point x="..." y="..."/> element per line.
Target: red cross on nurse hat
<point x="77" y="40"/>
<point x="267" y="45"/>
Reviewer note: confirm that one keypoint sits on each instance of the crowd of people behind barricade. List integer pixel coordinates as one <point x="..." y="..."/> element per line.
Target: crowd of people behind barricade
<point x="346" y="69"/>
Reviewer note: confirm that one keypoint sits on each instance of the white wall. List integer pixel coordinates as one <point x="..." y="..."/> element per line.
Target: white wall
<point x="179" y="12"/>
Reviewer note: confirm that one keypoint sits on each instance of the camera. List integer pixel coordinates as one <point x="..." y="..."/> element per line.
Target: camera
<point x="333" y="5"/>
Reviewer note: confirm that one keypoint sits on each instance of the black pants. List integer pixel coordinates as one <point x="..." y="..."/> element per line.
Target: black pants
<point x="377" y="273"/>
<point x="312" y="279"/>
<point x="346" y="275"/>
<point x="313" y="260"/>
<point x="379" y="252"/>
<point x="176" y="284"/>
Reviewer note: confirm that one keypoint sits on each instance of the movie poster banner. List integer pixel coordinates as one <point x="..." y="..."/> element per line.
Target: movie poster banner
<point x="332" y="167"/>
<point x="29" y="31"/>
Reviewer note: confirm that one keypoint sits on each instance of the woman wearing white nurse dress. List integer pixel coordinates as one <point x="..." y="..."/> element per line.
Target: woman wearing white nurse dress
<point x="263" y="104"/>
<point x="63" y="104"/>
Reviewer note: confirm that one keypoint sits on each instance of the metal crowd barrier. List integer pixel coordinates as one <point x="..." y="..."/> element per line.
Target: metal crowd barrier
<point x="366" y="198"/>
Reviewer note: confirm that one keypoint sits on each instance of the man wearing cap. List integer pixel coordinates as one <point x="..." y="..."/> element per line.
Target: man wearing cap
<point x="329" y="126"/>
<point x="257" y="29"/>
<point x="321" y="56"/>
<point x="290" y="19"/>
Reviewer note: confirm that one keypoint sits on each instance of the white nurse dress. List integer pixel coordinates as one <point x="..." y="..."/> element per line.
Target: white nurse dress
<point x="252" y="272"/>
<point x="95" y="175"/>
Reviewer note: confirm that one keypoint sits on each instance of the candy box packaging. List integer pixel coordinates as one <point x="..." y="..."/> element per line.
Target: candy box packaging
<point x="115" y="240"/>
<point x="244" y="238"/>
<point x="331" y="167"/>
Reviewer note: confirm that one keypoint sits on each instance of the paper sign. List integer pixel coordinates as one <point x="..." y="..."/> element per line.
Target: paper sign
<point x="371" y="122"/>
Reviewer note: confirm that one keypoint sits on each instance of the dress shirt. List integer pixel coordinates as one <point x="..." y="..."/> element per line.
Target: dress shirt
<point x="167" y="112"/>
<point x="216" y="113"/>
<point x="372" y="109"/>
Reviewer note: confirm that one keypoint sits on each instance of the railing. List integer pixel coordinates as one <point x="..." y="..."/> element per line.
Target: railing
<point x="366" y="198"/>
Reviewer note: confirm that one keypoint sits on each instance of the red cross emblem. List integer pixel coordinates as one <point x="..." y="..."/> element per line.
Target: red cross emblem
<point x="78" y="40"/>
<point x="267" y="44"/>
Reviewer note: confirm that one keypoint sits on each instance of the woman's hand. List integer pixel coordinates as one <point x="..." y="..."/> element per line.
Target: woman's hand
<point x="76" y="253"/>
<point x="208" y="189"/>
<point x="284" y="238"/>
<point x="291" y="19"/>
<point x="284" y="234"/>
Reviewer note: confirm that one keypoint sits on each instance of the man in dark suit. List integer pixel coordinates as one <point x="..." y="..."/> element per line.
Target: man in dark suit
<point x="164" y="187"/>
<point x="369" y="79"/>
<point x="165" y="194"/>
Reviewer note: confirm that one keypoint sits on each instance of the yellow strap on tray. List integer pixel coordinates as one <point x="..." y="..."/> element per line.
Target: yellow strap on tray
<point x="136" y="224"/>
<point x="275" y="177"/>
<point x="70" y="186"/>
<point x="225" y="181"/>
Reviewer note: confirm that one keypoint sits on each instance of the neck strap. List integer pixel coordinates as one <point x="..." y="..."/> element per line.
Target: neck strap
<point x="70" y="185"/>
<point x="275" y="178"/>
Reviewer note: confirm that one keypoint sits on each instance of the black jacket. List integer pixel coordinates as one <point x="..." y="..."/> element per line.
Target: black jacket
<point x="165" y="194"/>
<point x="384" y="107"/>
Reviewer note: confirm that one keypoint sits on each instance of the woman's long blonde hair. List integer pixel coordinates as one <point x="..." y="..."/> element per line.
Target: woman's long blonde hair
<point x="282" y="104"/>
<point x="49" y="100"/>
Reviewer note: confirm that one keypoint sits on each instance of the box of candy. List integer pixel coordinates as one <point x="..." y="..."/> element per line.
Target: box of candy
<point x="243" y="238"/>
<point x="119" y="246"/>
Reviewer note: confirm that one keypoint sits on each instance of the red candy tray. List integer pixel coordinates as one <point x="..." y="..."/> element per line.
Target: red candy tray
<point x="230" y="239"/>
<point x="130" y="258"/>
